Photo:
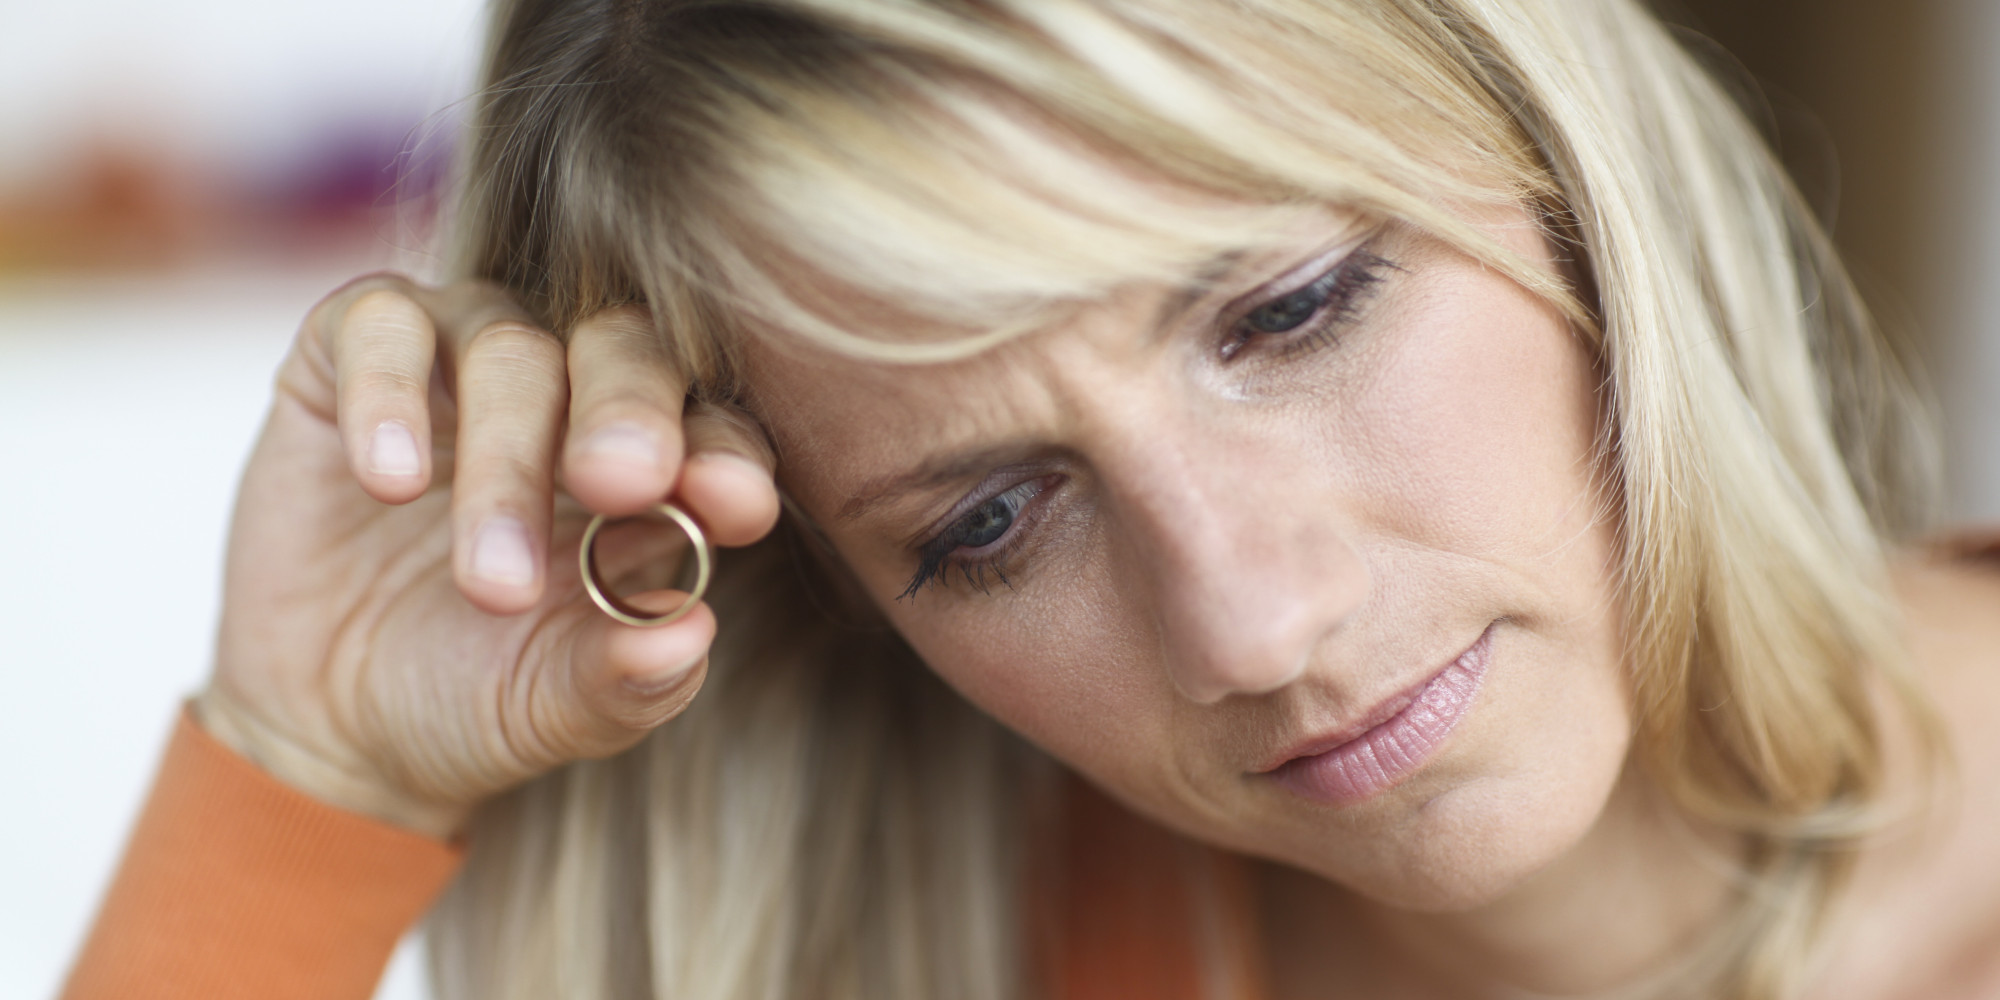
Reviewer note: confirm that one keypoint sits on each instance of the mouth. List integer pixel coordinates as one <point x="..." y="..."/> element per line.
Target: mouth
<point x="1394" y="739"/>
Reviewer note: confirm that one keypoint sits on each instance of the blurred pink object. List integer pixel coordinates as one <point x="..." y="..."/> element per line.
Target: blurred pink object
<point x="119" y="204"/>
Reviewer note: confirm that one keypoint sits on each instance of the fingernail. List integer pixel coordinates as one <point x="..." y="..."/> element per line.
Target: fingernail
<point x="501" y="554"/>
<point x="625" y="442"/>
<point x="393" y="450"/>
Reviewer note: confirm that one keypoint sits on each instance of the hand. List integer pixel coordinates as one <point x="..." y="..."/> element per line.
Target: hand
<point x="404" y="631"/>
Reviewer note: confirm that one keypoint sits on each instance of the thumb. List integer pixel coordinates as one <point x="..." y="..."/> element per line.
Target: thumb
<point x="626" y="680"/>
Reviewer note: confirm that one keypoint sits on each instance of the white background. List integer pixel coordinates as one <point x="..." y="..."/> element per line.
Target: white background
<point x="127" y="405"/>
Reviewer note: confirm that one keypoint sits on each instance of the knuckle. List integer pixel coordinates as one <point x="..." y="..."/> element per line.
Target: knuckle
<point x="497" y="468"/>
<point x="521" y="471"/>
<point x="333" y="312"/>
<point x="388" y="382"/>
<point x="511" y="342"/>
<point x="361" y="286"/>
<point x="625" y="322"/>
<point x="625" y="405"/>
<point x="383" y="295"/>
<point x="385" y="314"/>
<point x="624" y="339"/>
<point x="711" y="427"/>
<point x="504" y="470"/>
<point x="626" y="388"/>
<point x="381" y="278"/>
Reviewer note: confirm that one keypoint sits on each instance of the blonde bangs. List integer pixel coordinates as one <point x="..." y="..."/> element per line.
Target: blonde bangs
<point x="972" y="180"/>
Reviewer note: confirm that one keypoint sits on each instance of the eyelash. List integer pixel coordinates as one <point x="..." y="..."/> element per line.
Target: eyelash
<point x="1340" y="293"/>
<point x="939" y="556"/>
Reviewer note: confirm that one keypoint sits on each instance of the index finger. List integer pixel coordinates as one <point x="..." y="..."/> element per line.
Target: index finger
<point x="376" y="341"/>
<point x="727" y="480"/>
<point x="625" y="443"/>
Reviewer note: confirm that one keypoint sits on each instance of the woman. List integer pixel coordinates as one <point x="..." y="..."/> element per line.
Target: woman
<point x="1418" y="459"/>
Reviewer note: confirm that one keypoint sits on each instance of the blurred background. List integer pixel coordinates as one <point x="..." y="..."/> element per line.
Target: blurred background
<point x="180" y="182"/>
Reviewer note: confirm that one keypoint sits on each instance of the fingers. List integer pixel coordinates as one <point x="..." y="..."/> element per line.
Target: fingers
<point x="619" y="682"/>
<point x="649" y="674"/>
<point x="379" y="343"/>
<point x="624" y="445"/>
<point x="628" y="443"/>
<point x="380" y="337"/>
<point x="628" y="435"/>
<point x="726" y="481"/>
<point x="512" y="394"/>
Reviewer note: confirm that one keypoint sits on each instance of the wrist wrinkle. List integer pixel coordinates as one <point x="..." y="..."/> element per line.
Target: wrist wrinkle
<point x="281" y="757"/>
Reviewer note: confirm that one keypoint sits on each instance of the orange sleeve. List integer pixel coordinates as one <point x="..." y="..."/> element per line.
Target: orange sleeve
<point x="1122" y="909"/>
<point x="234" y="885"/>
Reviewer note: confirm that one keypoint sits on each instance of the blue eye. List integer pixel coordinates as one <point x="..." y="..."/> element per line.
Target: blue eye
<point x="1311" y="315"/>
<point x="986" y="523"/>
<point x="1287" y="313"/>
<point x="989" y="524"/>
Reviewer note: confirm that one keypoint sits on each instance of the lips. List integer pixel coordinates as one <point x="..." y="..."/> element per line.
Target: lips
<point x="1344" y="770"/>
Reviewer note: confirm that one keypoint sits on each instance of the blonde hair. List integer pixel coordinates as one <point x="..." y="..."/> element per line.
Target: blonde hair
<point x="828" y="820"/>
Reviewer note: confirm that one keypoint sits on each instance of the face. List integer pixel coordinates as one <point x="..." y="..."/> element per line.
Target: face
<point x="1310" y="561"/>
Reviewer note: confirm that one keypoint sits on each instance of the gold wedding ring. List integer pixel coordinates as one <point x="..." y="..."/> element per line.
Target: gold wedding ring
<point x="601" y="592"/>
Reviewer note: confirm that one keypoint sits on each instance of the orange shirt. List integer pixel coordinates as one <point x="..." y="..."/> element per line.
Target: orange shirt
<point x="236" y="886"/>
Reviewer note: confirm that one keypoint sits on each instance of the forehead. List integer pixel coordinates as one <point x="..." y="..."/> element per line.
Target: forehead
<point x="973" y="188"/>
<point x="841" y="423"/>
<point x="841" y="420"/>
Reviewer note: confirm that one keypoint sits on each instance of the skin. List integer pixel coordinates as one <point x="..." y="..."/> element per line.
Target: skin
<point x="1236" y="546"/>
<point x="1244" y="552"/>
<point x="1922" y="919"/>
<point x="371" y="652"/>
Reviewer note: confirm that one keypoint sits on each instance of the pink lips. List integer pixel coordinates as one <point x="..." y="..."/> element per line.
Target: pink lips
<point x="1391" y="750"/>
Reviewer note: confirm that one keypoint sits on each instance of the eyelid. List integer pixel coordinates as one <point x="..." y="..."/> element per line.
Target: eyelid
<point x="1299" y="278"/>
<point x="935" y="556"/>
<point x="986" y="489"/>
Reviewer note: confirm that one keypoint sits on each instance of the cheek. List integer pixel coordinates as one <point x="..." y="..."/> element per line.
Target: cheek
<point x="1065" y="667"/>
<point x="1477" y="427"/>
<point x="1464" y="455"/>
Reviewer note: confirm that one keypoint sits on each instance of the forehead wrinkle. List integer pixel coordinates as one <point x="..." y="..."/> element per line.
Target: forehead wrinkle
<point x="934" y="471"/>
<point x="925" y="410"/>
<point x="1206" y="277"/>
<point x="1015" y="373"/>
<point x="1071" y="387"/>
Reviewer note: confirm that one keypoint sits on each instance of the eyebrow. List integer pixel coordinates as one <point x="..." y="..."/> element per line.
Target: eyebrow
<point x="941" y="469"/>
<point x="931" y="473"/>
<point x="1206" y="277"/>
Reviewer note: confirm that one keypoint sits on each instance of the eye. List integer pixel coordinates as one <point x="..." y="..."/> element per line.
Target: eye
<point x="986" y="523"/>
<point x="1309" y="316"/>
<point x="978" y="541"/>
<point x="1286" y="313"/>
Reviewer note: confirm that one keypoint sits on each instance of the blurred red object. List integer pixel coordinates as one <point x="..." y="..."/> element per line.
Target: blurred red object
<point x="124" y="206"/>
<point x="106" y="208"/>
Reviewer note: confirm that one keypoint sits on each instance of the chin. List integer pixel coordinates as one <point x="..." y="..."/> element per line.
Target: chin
<point x="1473" y="846"/>
<point x="1446" y="844"/>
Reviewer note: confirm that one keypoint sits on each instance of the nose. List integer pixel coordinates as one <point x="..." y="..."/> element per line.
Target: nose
<point x="1242" y="552"/>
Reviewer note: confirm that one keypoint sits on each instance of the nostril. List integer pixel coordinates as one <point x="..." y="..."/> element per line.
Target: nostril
<point x="1242" y="668"/>
<point x="1244" y="577"/>
<point x="1253" y="640"/>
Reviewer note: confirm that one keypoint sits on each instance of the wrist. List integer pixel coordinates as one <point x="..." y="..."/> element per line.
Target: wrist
<point x="294" y="765"/>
